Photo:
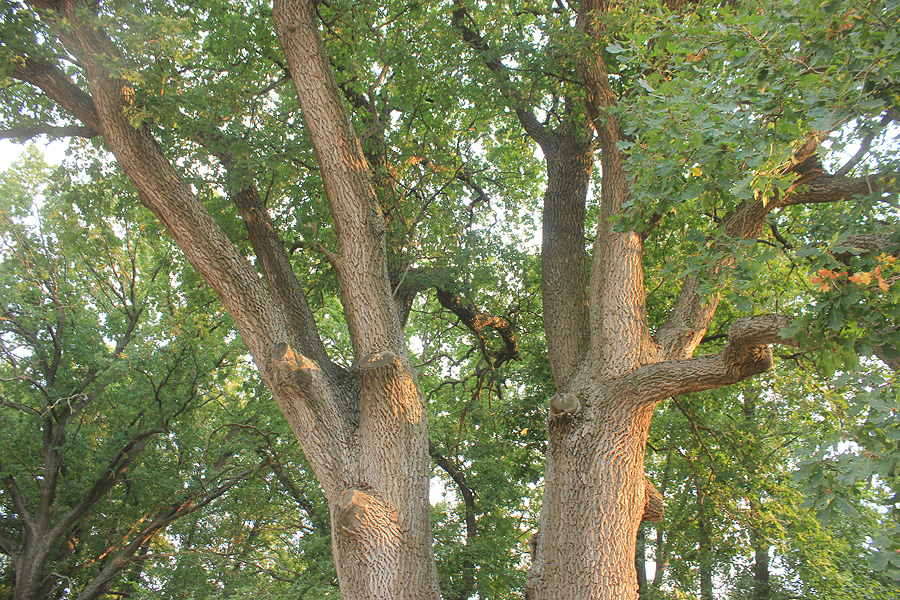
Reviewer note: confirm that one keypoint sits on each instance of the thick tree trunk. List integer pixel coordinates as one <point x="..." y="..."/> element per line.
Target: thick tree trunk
<point x="380" y="510"/>
<point x="593" y="498"/>
<point x="364" y="431"/>
<point x="609" y="372"/>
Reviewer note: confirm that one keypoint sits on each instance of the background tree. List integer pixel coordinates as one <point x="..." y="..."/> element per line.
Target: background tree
<point x="115" y="371"/>
<point x="737" y="520"/>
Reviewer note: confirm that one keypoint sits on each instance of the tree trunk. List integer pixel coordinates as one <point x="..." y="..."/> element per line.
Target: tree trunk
<point x="381" y="525"/>
<point x="593" y="499"/>
<point x="364" y="430"/>
<point x="762" y="589"/>
<point x="610" y="373"/>
<point x="640" y="562"/>
<point x="705" y="565"/>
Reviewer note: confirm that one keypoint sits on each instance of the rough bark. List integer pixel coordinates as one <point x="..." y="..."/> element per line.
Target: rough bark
<point x="382" y="539"/>
<point x="595" y="491"/>
<point x="364" y="430"/>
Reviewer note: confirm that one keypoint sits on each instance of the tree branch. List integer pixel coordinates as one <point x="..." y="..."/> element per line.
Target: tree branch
<point x="159" y="185"/>
<point x="866" y="143"/>
<point x="59" y="88"/>
<point x="468" y="495"/>
<point x="271" y="254"/>
<point x="359" y="222"/>
<point x="476" y="321"/>
<point x="527" y="118"/>
<point x="830" y="188"/>
<point x="16" y="497"/>
<point x="26" y="132"/>
<point x="272" y="461"/>
<point x="163" y="519"/>
<point x="107" y="480"/>
<point x="747" y="352"/>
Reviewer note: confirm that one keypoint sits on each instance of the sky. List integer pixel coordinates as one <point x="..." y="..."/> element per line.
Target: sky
<point x="10" y="151"/>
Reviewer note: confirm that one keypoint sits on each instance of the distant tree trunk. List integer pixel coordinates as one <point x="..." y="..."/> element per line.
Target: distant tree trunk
<point x="661" y="558"/>
<point x="762" y="589"/>
<point x="705" y="562"/>
<point x="640" y="563"/>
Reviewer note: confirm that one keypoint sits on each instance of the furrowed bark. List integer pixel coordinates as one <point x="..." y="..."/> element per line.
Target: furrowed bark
<point x="362" y="431"/>
<point x="381" y="521"/>
<point x="569" y="154"/>
<point x="620" y="337"/>
<point x="570" y="157"/>
<point x="362" y="264"/>
<point x="595" y="492"/>
<point x="597" y="429"/>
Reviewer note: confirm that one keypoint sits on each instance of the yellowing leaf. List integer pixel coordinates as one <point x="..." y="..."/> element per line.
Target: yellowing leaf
<point x="862" y="278"/>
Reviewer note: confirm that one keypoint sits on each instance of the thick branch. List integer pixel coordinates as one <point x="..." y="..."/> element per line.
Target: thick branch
<point x="747" y="352"/>
<point x="359" y="223"/>
<point x="276" y="267"/>
<point x="107" y="480"/>
<point x="477" y="321"/>
<point x="564" y="277"/>
<point x="26" y="132"/>
<point x="16" y="496"/>
<point x="8" y="545"/>
<point x="693" y="313"/>
<point x="620" y="338"/>
<point x="829" y="188"/>
<point x="160" y="187"/>
<point x="59" y="88"/>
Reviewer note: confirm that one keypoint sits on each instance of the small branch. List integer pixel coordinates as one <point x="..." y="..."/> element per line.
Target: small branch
<point x="17" y="406"/>
<point x="458" y="477"/>
<point x="781" y="239"/>
<point x="527" y="118"/>
<point x="866" y="144"/>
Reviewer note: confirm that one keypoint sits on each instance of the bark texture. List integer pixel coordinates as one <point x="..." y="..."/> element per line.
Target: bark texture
<point x="364" y="430"/>
<point x="610" y="371"/>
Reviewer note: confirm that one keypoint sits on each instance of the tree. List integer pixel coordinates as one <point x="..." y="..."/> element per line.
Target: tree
<point x="111" y="370"/>
<point x="708" y="120"/>
<point x="726" y="461"/>
<point x="665" y="157"/>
